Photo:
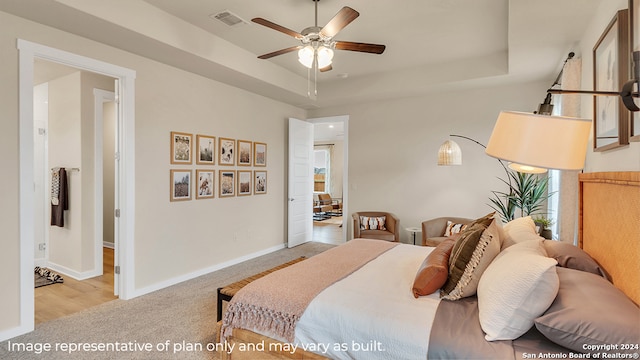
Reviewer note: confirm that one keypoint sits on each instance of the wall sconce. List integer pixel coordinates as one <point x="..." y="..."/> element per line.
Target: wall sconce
<point x="541" y="141"/>
<point x="627" y="94"/>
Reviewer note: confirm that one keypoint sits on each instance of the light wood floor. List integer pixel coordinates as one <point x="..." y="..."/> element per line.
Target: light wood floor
<point x="328" y="231"/>
<point x="58" y="300"/>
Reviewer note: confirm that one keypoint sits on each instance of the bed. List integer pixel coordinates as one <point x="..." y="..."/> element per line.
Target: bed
<point x="361" y="306"/>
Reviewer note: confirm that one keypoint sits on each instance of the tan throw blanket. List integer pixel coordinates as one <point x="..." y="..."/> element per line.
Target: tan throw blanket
<point x="273" y="304"/>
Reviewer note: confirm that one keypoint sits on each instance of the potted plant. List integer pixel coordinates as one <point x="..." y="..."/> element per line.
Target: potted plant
<point x="527" y="192"/>
<point x="544" y="223"/>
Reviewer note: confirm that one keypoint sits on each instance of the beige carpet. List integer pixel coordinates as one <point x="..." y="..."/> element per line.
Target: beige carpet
<point x="182" y="316"/>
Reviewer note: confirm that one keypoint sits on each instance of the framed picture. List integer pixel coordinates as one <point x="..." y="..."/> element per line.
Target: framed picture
<point x="244" y="182"/>
<point x="204" y="189"/>
<point x="610" y="71"/>
<point x="634" y="26"/>
<point x="206" y="150"/>
<point x="244" y="153"/>
<point x="181" y="148"/>
<point x="260" y="181"/>
<point x="226" y="151"/>
<point x="227" y="184"/>
<point x="259" y="154"/>
<point x="180" y="185"/>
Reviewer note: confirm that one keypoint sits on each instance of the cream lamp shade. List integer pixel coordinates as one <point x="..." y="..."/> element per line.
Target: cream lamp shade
<point x="541" y="141"/>
<point x="449" y="154"/>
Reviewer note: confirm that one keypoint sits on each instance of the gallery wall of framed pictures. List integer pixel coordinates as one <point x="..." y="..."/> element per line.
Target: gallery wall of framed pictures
<point x="229" y="153"/>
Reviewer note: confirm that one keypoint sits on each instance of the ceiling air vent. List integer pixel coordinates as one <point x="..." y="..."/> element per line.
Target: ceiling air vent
<point x="229" y="18"/>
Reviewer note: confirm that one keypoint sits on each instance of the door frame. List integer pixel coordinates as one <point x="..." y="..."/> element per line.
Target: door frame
<point x="28" y="52"/>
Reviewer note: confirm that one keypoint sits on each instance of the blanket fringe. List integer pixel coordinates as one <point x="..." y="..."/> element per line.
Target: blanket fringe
<point x="249" y="316"/>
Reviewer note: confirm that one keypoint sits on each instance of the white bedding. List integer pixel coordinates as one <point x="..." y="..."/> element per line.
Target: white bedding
<point x="372" y="314"/>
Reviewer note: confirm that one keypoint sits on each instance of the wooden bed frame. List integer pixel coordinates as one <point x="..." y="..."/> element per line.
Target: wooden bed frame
<point x="608" y="231"/>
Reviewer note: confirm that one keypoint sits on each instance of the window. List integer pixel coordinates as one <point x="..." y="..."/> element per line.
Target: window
<point x="321" y="171"/>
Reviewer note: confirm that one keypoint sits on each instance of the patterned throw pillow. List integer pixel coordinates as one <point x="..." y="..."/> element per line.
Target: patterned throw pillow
<point x="477" y="246"/>
<point x="453" y="228"/>
<point x="372" y="222"/>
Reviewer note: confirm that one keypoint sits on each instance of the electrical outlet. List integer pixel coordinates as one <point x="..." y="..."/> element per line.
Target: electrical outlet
<point x="41" y="246"/>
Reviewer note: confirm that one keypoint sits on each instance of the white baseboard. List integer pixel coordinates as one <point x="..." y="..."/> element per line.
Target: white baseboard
<point x="109" y="245"/>
<point x="42" y="262"/>
<point x="16" y="331"/>
<point x="72" y="273"/>
<point x="195" y="274"/>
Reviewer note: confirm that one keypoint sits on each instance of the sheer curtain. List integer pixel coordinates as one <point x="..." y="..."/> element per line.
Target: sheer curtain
<point x="563" y="205"/>
<point x="329" y="176"/>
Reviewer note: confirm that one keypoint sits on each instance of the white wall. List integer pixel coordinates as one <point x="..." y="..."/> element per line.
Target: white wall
<point x="625" y="158"/>
<point x="393" y="148"/>
<point x="176" y="239"/>
<point x="65" y="149"/>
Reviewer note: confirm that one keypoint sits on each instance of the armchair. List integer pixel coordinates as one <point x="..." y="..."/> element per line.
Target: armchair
<point x="433" y="230"/>
<point x="392" y="225"/>
<point x="323" y="207"/>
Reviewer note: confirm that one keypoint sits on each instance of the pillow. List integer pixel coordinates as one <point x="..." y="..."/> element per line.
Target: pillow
<point x="572" y="257"/>
<point x="471" y="255"/>
<point x="516" y="288"/>
<point x="372" y="223"/>
<point x="453" y="228"/>
<point x="434" y="270"/>
<point x="519" y="230"/>
<point x="589" y="310"/>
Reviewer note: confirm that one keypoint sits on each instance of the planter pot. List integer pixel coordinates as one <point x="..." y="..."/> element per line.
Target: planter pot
<point x="547" y="234"/>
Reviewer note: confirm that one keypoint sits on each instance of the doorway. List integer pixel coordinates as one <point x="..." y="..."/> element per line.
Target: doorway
<point x="330" y="177"/>
<point x="64" y="131"/>
<point x="28" y="53"/>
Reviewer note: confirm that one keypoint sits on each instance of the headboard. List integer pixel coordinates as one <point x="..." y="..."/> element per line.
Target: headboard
<point x="609" y="226"/>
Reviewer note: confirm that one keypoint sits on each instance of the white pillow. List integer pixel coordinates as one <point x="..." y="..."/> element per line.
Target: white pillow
<point x="519" y="230"/>
<point x="518" y="286"/>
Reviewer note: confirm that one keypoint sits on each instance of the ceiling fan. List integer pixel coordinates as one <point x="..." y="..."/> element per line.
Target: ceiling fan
<point x="317" y="42"/>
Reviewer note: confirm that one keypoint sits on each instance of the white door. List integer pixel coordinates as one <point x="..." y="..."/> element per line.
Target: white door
<point x="300" y="209"/>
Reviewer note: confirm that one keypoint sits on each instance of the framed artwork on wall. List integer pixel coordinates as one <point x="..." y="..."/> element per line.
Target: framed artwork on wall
<point x="244" y="153"/>
<point x="181" y="148"/>
<point x="226" y="151"/>
<point x="260" y="181"/>
<point x="634" y="26"/>
<point x="180" y="185"/>
<point x="227" y="183"/>
<point x="205" y="184"/>
<point x="259" y="154"/>
<point x="244" y="182"/>
<point x="610" y="71"/>
<point x="206" y="150"/>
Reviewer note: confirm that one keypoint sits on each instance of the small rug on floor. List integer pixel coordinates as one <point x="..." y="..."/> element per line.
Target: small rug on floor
<point x="44" y="277"/>
<point x="335" y="220"/>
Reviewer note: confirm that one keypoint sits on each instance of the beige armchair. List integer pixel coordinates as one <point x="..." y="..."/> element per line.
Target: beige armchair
<point x="392" y="223"/>
<point x="433" y="230"/>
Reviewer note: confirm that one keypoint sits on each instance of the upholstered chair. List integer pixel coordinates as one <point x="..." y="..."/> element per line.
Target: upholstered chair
<point x="433" y="230"/>
<point x="391" y="225"/>
<point x="323" y="207"/>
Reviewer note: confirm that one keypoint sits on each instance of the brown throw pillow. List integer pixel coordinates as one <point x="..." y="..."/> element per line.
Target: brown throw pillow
<point x="572" y="257"/>
<point x="434" y="270"/>
<point x="477" y="246"/>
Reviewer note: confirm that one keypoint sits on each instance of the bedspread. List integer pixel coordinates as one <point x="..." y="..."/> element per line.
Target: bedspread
<point x="372" y="314"/>
<point x="273" y="304"/>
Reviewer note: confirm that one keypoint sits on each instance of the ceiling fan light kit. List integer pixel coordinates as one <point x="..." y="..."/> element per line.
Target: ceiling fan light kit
<point x="316" y="51"/>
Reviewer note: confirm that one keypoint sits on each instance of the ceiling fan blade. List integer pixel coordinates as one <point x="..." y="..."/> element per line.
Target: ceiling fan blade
<point x="361" y="47"/>
<point x="277" y="27"/>
<point x="280" y="52"/>
<point x="343" y="18"/>
<point x="326" y="68"/>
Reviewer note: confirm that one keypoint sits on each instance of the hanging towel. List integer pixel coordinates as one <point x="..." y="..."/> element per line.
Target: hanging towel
<point x="59" y="197"/>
